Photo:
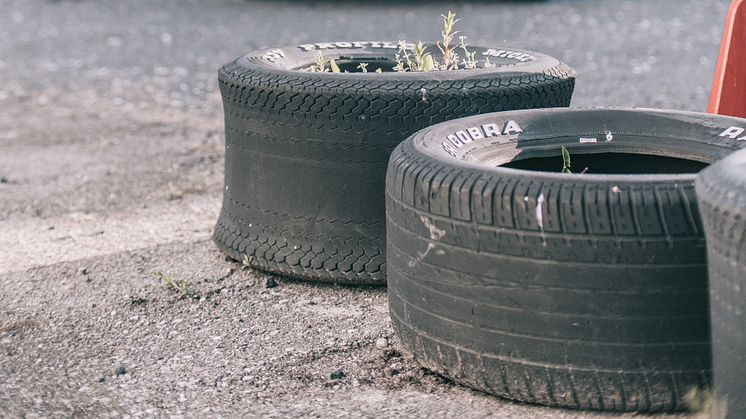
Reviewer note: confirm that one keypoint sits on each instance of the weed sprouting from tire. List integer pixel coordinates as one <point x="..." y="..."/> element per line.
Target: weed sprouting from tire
<point x="698" y="400"/>
<point x="246" y="262"/>
<point x="416" y="58"/>
<point x="566" y="163"/>
<point x="320" y="65"/>
<point x="450" y="59"/>
<point x="423" y="60"/>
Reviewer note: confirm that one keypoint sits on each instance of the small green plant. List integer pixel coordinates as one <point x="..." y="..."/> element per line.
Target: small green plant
<point x="320" y="66"/>
<point x="402" y="53"/>
<point x="176" y="286"/>
<point x="450" y="59"/>
<point x="416" y="57"/>
<point x="423" y="60"/>
<point x="470" y="60"/>
<point x="698" y="400"/>
<point x="333" y="65"/>
<point x="420" y="60"/>
<point x="488" y="64"/>
<point x="363" y="67"/>
<point x="566" y="160"/>
<point x="246" y="262"/>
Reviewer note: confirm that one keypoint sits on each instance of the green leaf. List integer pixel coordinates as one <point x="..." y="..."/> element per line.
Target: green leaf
<point x="333" y="65"/>
<point x="565" y="160"/>
<point x="428" y="64"/>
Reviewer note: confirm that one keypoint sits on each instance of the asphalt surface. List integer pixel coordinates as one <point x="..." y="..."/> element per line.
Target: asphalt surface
<point x="111" y="176"/>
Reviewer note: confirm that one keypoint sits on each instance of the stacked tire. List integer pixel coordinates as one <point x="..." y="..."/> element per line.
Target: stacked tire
<point x="721" y="190"/>
<point x="584" y="290"/>
<point x="306" y="152"/>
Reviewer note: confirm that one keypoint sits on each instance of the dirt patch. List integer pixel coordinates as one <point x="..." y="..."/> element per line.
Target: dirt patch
<point x="18" y="326"/>
<point x="116" y="340"/>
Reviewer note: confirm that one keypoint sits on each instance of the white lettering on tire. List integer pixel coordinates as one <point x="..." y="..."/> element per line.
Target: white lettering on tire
<point x="513" y="55"/>
<point x="733" y="133"/>
<point x="273" y="55"/>
<point x="354" y="44"/>
<point x="458" y="139"/>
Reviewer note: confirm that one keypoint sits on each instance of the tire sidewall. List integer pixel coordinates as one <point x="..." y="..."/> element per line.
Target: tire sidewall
<point x="690" y="135"/>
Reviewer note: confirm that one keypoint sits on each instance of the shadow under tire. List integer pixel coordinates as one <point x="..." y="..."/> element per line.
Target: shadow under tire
<point x="306" y="153"/>
<point x="585" y="291"/>
<point x="721" y="190"/>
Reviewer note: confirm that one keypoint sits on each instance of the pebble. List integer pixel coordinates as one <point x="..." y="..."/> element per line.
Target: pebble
<point x="120" y="370"/>
<point x="337" y="375"/>
<point x="271" y="283"/>
<point x="382" y="343"/>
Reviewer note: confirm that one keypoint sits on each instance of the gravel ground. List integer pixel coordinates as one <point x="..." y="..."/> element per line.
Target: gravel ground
<point x="110" y="181"/>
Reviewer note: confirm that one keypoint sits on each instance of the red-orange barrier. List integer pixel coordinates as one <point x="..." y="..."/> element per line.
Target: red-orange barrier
<point x="728" y="93"/>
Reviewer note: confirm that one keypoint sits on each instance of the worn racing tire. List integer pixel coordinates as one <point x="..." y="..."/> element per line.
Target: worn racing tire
<point x="306" y="152"/>
<point x="585" y="291"/>
<point x="721" y="190"/>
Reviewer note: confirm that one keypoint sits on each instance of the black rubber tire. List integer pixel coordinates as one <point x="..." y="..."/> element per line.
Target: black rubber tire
<point x="306" y="153"/>
<point x="721" y="190"/>
<point x="600" y="305"/>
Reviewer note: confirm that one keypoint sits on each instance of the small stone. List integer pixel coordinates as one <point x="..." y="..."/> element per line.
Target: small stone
<point x="120" y="370"/>
<point x="382" y="343"/>
<point x="138" y="301"/>
<point x="84" y="271"/>
<point x="3" y="179"/>
<point x="271" y="283"/>
<point x="337" y="375"/>
<point x="102" y="379"/>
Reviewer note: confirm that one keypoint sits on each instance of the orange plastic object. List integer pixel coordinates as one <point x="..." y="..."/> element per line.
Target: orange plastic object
<point x="728" y="93"/>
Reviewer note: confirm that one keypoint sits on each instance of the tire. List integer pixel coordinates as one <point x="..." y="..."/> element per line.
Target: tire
<point x="306" y="153"/>
<point x="721" y="190"/>
<point x="600" y="303"/>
